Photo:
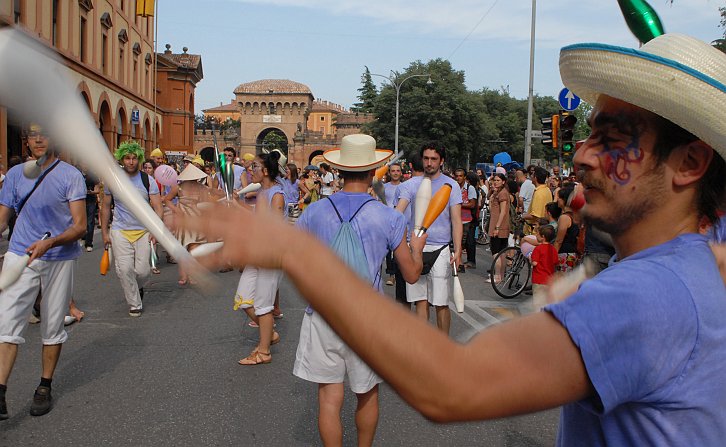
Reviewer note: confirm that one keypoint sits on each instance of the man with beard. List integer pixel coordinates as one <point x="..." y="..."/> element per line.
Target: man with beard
<point x="54" y="202"/>
<point x="434" y="288"/>
<point x="130" y="240"/>
<point x="635" y="355"/>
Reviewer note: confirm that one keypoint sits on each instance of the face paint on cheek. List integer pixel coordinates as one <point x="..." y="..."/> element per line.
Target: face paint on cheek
<point x="616" y="161"/>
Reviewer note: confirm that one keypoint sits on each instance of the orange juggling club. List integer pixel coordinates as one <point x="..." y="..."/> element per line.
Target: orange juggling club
<point x="436" y="206"/>
<point x="381" y="172"/>
<point x="104" y="261"/>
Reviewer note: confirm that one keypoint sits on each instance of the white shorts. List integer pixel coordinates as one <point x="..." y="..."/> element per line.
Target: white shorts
<point x="257" y="288"/>
<point x="436" y="286"/>
<point x="322" y="357"/>
<point x="16" y="302"/>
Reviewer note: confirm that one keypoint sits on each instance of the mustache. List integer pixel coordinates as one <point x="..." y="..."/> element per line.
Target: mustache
<point x="586" y="178"/>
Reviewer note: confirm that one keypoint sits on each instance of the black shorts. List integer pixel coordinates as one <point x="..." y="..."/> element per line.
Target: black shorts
<point x="498" y="244"/>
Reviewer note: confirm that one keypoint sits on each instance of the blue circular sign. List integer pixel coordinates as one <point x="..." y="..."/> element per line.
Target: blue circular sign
<point x="568" y="100"/>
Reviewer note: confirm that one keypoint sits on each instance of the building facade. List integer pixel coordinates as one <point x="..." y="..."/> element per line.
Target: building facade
<point x="285" y="108"/>
<point x="108" y="52"/>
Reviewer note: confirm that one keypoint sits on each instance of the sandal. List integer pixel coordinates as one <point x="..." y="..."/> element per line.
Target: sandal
<point x="256" y="358"/>
<point x="155" y="271"/>
<point x="275" y="338"/>
<point x="182" y="282"/>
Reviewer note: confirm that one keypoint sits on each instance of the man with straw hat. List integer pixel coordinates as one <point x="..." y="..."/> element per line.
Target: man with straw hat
<point x="321" y="356"/>
<point x="635" y="355"/>
<point x="128" y="237"/>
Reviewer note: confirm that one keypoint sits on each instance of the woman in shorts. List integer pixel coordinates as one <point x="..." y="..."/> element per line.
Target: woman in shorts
<point x="257" y="287"/>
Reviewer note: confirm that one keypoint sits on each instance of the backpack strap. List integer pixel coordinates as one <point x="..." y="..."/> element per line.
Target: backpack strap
<point x="37" y="183"/>
<point x="354" y="214"/>
<point x="145" y="181"/>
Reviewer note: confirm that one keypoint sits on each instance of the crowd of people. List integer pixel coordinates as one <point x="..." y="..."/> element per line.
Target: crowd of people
<point x="629" y="365"/>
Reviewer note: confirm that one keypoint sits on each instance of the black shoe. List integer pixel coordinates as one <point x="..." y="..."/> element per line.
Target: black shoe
<point x="42" y="401"/>
<point x="3" y="408"/>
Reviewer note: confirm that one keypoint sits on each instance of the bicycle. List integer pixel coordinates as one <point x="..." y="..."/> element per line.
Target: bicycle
<point x="510" y="272"/>
<point x="481" y="235"/>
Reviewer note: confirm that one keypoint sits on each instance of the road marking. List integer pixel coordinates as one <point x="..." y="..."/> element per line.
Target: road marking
<point x="482" y="314"/>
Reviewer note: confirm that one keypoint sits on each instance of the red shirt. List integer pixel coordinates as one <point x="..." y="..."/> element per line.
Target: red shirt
<point x="545" y="255"/>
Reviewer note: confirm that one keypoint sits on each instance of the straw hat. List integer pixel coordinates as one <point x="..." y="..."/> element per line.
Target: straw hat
<point x="191" y="172"/>
<point x="675" y="76"/>
<point x="357" y="153"/>
<point x="156" y="153"/>
<point x="248" y="157"/>
<point x="198" y="160"/>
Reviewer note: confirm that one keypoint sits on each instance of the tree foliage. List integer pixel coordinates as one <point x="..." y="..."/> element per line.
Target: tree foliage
<point x="367" y="94"/>
<point x="472" y="125"/>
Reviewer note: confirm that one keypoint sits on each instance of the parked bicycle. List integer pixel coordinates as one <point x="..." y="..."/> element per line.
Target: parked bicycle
<point x="510" y="272"/>
<point x="482" y="237"/>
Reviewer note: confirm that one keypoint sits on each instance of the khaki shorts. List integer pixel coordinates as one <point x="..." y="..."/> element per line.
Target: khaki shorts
<point x="322" y="357"/>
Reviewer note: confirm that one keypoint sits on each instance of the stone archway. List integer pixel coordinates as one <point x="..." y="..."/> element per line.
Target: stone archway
<point x="315" y="157"/>
<point x="105" y="124"/>
<point x="271" y="135"/>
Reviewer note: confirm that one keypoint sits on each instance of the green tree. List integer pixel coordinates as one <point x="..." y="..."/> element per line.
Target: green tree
<point x="367" y="94"/>
<point x="721" y="43"/>
<point x="444" y="111"/>
<point x="274" y="140"/>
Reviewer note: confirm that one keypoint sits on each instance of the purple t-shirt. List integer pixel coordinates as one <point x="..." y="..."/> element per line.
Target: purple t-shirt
<point x="380" y="228"/>
<point x="650" y="330"/>
<point x="47" y="209"/>
<point x="440" y="231"/>
<point x="266" y="195"/>
<point x="390" y="190"/>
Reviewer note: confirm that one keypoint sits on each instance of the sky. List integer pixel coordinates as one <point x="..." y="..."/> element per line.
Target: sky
<point x="326" y="44"/>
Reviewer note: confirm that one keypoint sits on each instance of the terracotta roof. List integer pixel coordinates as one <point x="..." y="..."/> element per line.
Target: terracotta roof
<point x="273" y="86"/>
<point x="183" y="60"/>
<point x="325" y="106"/>
<point x="231" y="107"/>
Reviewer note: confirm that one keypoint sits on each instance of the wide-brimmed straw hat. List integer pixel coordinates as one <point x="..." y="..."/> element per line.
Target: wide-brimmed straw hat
<point x="357" y="153"/>
<point x="675" y="76"/>
<point x="191" y="172"/>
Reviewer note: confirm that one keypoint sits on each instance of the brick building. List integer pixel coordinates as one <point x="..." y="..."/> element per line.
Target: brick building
<point x="108" y="52"/>
<point x="286" y="108"/>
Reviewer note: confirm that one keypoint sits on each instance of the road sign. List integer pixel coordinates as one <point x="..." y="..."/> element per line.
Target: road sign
<point x="568" y="100"/>
<point x="536" y="134"/>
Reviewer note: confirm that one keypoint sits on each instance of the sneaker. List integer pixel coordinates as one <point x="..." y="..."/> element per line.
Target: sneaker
<point x="42" y="401"/>
<point x="135" y="313"/>
<point x="3" y="408"/>
<point x="391" y="281"/>
<point x="69" y="320"/>
<point x="33" y="319"/>
<point x="89" y="248"/>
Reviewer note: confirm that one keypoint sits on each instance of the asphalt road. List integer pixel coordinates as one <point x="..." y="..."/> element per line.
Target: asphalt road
<point x="171" y="378"/>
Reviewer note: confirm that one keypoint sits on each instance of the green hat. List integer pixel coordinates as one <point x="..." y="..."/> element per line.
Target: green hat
<point x="130" y="147"/>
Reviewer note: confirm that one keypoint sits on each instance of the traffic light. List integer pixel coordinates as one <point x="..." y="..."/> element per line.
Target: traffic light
<point x="567" y="131"/>
<point x="550" y="128"/>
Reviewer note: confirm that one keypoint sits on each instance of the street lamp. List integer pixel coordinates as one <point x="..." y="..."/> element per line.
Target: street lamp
<point x="397" y="85"/>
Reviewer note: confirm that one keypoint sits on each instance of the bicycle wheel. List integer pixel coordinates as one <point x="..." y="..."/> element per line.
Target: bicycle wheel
<point x="510" y="272"/>
<point x="482" y="236"/>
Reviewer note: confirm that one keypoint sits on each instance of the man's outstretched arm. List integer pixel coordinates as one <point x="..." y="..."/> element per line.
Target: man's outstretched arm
<point x="525" y="365"/>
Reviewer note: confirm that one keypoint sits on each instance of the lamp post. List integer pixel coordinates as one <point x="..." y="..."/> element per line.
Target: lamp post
<point x="397" y="85"/>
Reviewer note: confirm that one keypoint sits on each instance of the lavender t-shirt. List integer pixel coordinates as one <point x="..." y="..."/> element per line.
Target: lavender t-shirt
<point x="46" y="210"/>
<point x="440" y="231"/>
<point x="380" y="228"/>
<point x="651" y="333"/>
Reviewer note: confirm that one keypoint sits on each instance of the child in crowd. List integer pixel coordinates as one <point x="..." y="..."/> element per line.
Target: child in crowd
<point x="544" y="261"/>
<point x="530" y="241"/>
